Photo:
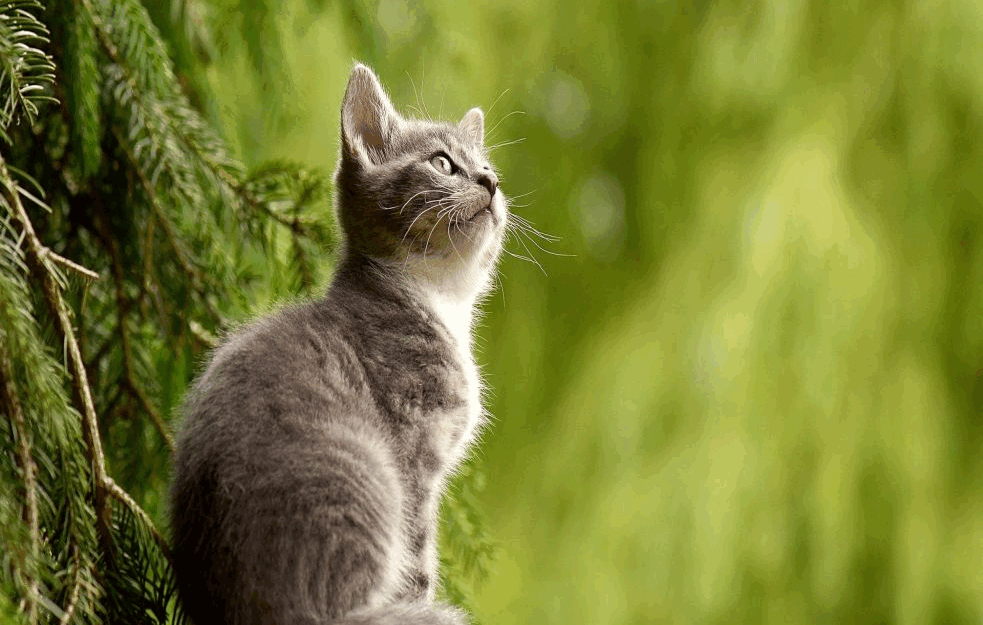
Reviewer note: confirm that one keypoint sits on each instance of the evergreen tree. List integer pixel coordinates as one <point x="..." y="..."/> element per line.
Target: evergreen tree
<point x="129" y="237"/>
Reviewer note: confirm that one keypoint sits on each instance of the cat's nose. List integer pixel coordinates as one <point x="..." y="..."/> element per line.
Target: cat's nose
<point x="489" y="181"/>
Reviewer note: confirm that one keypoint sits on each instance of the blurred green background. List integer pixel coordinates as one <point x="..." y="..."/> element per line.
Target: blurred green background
<point x="752" y="394"/>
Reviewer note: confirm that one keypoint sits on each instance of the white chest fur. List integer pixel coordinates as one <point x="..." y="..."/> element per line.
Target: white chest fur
<point x="457" y="316"/>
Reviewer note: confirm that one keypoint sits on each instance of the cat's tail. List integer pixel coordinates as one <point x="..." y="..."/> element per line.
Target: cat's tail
<point x="406" y="614"/>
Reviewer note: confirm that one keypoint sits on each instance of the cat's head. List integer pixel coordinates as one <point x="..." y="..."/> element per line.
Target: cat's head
<point x="415" y="192"/>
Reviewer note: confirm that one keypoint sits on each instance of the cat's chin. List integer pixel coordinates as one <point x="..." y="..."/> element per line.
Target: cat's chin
<point x="479" y="230"/>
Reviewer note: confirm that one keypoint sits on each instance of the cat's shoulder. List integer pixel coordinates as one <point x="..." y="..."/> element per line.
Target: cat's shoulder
<point x="276" y="336"/>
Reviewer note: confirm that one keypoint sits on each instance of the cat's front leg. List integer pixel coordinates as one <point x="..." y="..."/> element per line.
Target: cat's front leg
<point x="422" y="574"/>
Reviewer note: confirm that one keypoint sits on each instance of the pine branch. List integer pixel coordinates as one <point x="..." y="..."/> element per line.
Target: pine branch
<point x="103" y="486"/>
<point x="26" y="71"/>
<point x="121" y="495"/>
<point x="37" y="259"/>
<point x="83" y="80"/>
<point x="63" y="479"/>
<point x="73" y="596"/>
<point x="195" y="277"/>
<point x="11" y="403"/>
<point x="130" y="380"/>
<point x="155" y="99"/>
<point x="71" y="264"/>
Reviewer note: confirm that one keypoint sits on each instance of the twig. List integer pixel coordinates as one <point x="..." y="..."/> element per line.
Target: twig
<point x="123" y="497"/>
<point x="203" y="336"/>
<point x="73" y="596"/>
<point x="148" y="407"/>
<point x="103" y="349"/>
<point x="71" y="264"/>
<point x="12" y="406"/>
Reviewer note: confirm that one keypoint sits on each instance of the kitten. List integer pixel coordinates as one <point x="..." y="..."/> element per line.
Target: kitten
<point x="317" y="441"/>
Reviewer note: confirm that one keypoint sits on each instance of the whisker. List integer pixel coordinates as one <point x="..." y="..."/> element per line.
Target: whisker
<point x="529" y="228"/>
<point x="534" y="242"/>
<point x="412" y="197"/>
<point x="440" y="215"/>
<point x="526" y="247"/>
<point x="501" y="288"/>
<point x="421" y="214"/>
<point x="518" y="256"/>
<point x="521" y="221"/>
<point x="451" y="238"/>
<point x="488" y="133"/>
<point x="521" y="195"/>
<point x="492" y="107"/>
<point x="505" y="143"/>
<point x="420" y="105"/>
<point x="423" y="81"/>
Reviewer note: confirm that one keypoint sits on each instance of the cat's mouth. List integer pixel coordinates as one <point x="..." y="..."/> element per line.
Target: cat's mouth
<point x="483" y="211"/>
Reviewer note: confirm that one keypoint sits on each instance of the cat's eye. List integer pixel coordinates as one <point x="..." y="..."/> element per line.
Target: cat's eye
<point x="442" y="164"/>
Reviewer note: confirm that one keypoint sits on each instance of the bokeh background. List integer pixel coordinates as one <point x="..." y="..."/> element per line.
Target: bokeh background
<point x="752" y="389"/>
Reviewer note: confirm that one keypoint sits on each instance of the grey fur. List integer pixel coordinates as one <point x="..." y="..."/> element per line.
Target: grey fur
<point x="317" y="441"/>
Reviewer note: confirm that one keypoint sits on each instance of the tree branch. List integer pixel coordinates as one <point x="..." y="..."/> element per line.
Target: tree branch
<point x="194" y="276"/>
<point x="122" y="308"/>
<point x="71" y="264"/>
<point x="12" y="406"/>
<point x="103" y="485"/>
<point x="123" y="497"/>
<point x="37" y="259"/>
<point x="73" y="596"/>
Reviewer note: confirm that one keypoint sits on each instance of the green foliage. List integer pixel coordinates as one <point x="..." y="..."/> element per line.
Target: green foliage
<point x="754" y="394"/>
<point x="26" y="71"/>
<point x="106" y="162"/>
<point x="111" y="159"/>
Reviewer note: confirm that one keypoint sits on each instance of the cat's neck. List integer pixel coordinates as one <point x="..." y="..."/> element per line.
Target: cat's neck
<point x="449" y="291"/>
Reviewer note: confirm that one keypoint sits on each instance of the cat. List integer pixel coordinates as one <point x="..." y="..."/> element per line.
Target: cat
<point x="317" y="441"/>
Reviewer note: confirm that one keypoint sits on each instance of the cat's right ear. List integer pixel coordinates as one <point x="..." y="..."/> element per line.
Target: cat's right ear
<point x="368" y="119"/>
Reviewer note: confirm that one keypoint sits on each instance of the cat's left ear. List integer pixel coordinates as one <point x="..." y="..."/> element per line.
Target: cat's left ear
<point x="368" y="118"/>
<point x="473" y="125"/>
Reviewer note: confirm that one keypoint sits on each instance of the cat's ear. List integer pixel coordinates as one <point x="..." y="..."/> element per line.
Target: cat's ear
<point x="368" y="119"/>
<point x="473" y="125"/>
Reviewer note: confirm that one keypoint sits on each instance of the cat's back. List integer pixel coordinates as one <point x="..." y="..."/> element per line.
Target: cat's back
<point x="276" y="434"/>
<point x="275" y="377"/>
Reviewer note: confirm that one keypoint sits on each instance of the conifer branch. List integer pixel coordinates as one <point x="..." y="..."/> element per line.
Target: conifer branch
<point x="129" y="369"/>
<point x="124" y="498"/>
<point x="161" y="101"/>
<point x="35" y="253"/>
<point x="70" y="264"/>
<point x="103" y="486"/>
<point x="26" y="71"/>
<point x="73" y="595"/>
<point x="187" y="266"/>
<point x="11" y="404"/>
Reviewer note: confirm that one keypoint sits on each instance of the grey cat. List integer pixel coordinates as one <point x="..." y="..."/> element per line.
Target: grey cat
<point x="317" y="441"/>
